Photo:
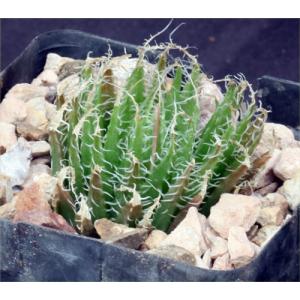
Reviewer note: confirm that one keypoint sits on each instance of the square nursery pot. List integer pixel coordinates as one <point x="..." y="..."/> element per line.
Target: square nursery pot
<point x="33" y="253"/>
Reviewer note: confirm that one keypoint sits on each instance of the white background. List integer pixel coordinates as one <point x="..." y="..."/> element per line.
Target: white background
<point x="149" y="9"/>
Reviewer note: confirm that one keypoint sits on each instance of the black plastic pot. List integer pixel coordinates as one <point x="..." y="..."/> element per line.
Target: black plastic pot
<point x="32" y="253"/>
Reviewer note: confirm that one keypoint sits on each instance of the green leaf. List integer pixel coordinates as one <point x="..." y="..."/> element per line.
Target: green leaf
<point x="96" y="199"/>
<point x="56" y="152"/>
<point x="168" y="205"/>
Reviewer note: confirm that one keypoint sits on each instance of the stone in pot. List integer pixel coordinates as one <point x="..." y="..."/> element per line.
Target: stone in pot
<point x="234" y="210"/>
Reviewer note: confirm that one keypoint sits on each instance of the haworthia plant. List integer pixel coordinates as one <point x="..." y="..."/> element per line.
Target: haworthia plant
<point x="136" y="151"/>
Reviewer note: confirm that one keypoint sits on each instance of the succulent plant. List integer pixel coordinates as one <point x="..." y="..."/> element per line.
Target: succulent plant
<point x="134" y="152"/>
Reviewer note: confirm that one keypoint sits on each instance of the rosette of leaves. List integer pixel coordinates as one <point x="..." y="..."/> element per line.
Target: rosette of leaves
<point x="135" y="154"/>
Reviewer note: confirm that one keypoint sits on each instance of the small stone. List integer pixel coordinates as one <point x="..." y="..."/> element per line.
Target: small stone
<point x="256" y="248"/>
<point x="155" y="238"/>
<point x="31" y="198"/>
<point x="8" y="136"/>
<point x="39" y="148"/>
<point x="265" y="175"/>
<point x="47" y="184"/>
<point x="69" y="87"/>
<point x="241" y="251"/>
<point x="274" y="199"/>
<point x="46" y="78"/>
<point x="14" y="164"/>
<point x="51" y="95"/>
<point x="35" y="171"/>
<point x="222" y="263"/>
<point x="219" y="247"/>
<point x="203" y="221"/>
<point x="291" y="191"/>
<point x="176" y="253"/>
<point x="265" y="234"/>
<point x="132" y="240"/>
<point x="32" y="207"/>
<point x="50" y="110"/>
<point x="8" y="210"/>
<point x="178" y="218"/>
<point x="6" y="189"/>
<point x="70" y="68"/>
<point x="9" y="113"/>
<point x="2" y="192"/>
<point x="210" y="234"/>
<point x="26" y="92"/>
<point x="120" y="234"/>
<point x="207" y="259"/>
<point x="43" y="160"/>
<point x="252" y="232"/>
<point x="234" y="210"/>
<point x="270" y="188"/>
<point x="35" y="126"/>
<point x="200" y="263"/>
<point x="189" y="234"/>
<point x="275" y="136"/>
<point x="273" y="211"/>
<point x="48" y="219"/>
<point x="54" y="62"/>
<point x="109" y="230"/>
<point x="288" y="164"/>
